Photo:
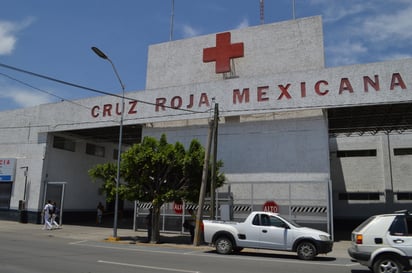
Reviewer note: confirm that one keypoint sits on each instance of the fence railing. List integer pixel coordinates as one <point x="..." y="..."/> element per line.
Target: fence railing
<point x="292" y="198"/>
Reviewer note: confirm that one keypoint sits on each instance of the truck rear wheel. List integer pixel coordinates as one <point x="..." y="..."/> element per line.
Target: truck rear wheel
<point x="224" y="245"/>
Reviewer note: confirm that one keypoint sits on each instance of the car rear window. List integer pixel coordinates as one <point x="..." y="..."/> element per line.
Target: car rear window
<point x="402" y="226"/>
<point x="399" y="226"/>
<point x="365" y="223"/>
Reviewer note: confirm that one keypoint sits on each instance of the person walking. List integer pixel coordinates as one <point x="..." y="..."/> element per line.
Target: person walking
<point x="47" y="211"/>
<point x="100" y="210"/>
<point x="54" y="215"/>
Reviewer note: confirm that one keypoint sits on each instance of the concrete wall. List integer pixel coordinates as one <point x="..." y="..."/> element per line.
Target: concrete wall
<point x="72" y="168"/>
<point x="385" y="174"/>
<point x="31" y="156"/>
<point x="271" y="151"/>
<point x="401" y="164"/>
<point x="269" y="49"/>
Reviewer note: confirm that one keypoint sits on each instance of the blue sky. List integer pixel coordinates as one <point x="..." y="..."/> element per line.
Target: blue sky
<point x="54" y="37"/>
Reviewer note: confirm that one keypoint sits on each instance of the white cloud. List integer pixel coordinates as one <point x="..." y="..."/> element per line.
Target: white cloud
<point x="395" y="56"/>
<point x="366" y="31"/>
<point x="189" y="31"/>
<point x="24" y="98"/>
<point x="334" y="13"/>
<point x="243" y="24"/>
<point x="8" y="34"/>
<point x="396" y="27"/>
<point x="7" y="38"/>
<point x="345" y="52"/>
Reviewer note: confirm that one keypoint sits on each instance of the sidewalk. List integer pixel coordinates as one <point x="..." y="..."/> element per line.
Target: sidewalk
<point x="128" y="236"/>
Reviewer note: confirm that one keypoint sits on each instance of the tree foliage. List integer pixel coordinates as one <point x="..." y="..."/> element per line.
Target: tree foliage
<point x="158" y="172"/>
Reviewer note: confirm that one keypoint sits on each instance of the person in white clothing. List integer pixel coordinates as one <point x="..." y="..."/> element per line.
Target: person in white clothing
<point x="55" y="212"/>
<point x="47" y="215"/>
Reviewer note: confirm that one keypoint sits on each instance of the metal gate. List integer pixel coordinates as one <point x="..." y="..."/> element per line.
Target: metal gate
<point x="304" y="202"/>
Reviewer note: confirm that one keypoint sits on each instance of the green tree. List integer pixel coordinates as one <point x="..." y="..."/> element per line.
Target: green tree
<point x="157" y="172"/>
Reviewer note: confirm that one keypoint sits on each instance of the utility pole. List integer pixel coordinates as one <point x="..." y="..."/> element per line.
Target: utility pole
<point x="214" y="167"/>
<point x="262" y="11"/>
<point x="199" y="215"/>
<point x="172" y="16"/>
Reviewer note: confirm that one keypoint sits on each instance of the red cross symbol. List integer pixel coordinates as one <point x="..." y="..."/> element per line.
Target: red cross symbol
<point x="223" y="52"/>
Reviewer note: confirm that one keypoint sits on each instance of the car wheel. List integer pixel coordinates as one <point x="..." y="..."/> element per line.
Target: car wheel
<point x="306" y="251"/>
<point x="224" y="245"/>
<point x="387" y="264"/>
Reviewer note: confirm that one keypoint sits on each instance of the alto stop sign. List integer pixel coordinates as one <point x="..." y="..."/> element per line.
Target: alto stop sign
<point x="270" y="206"/>
<point x="178" y="207"/>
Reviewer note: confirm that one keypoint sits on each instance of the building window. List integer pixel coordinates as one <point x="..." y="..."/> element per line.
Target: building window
<point x="64" y="144"/>
<point x="96" y="150"/>
<point x="402" y="151"/>
<point x="404" y="195"/>
<point x="356" y="153"/>
<point x="359" y="196"/>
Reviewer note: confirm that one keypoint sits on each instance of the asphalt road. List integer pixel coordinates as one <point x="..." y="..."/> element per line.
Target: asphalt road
<point x="33" y="250"/>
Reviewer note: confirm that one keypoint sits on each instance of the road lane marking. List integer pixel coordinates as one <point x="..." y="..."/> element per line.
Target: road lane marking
<point x="278" y="260"/>
<point x="148" y="267"/>
<point x="77" y="242"/>
<point x="217" y="256"/>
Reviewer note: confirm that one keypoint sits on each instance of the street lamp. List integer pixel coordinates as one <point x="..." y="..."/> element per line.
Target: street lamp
<point x="116" y="204"/>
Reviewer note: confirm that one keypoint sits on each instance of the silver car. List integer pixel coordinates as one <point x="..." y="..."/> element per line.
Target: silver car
<point x="383" y="242"/>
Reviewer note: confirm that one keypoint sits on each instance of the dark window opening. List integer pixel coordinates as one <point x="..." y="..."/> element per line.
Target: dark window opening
<point x="356" y="153"/>
<point x="404" y="195"/>
<point x="402" y="151"/>
<point x="64" y="144"/>
<point x="96" y="150"/>
<point x="359" y="196"/>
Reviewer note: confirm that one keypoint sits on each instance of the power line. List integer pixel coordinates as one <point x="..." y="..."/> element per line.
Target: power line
<point x="89" y="89"/>
<point x="41" y="90"/>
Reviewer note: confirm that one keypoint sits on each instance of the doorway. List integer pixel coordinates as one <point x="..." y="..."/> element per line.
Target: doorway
<point x="55" y="191"/>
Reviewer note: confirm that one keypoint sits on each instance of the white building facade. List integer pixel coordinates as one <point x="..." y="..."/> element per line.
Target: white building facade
<point x="291" y="131"/>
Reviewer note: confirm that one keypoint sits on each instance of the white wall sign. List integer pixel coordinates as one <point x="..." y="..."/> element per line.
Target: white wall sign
<point x="7" y="169"/>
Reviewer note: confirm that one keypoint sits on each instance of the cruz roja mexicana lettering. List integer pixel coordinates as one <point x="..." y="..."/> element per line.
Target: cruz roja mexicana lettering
<point x="320" y="88"/>
<point x="283" y="92"/>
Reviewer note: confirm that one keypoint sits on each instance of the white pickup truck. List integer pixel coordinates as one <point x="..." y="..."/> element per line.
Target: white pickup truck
<point x="266" y="230"/>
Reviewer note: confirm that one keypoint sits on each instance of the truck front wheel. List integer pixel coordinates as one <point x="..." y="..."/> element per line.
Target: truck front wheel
<point x="306" y="251"/>
<point x="224" y="245"/>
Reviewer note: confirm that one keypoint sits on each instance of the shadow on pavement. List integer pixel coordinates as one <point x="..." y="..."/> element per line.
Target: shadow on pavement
<point x="267" y="254"/>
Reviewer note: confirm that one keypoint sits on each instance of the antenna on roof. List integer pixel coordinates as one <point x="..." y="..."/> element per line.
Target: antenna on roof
<point x="262" y="12"/>
<point x="172" y="15"/>
<point x="293" y="10"/>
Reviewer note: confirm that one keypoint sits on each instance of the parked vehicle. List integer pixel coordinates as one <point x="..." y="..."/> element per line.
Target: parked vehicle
<point x="383" y="243"/>
<point x="266" y="230"/>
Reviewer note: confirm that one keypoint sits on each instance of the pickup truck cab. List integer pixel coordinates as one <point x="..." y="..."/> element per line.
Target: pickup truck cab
<point x="266" y="230"/>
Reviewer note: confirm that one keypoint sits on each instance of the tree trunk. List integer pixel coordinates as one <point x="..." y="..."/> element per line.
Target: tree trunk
<point x="155" y="225"/>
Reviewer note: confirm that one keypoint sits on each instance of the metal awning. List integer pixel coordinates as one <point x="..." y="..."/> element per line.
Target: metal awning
<point x="131" y="134"/>
<point x="370" y="119"/>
